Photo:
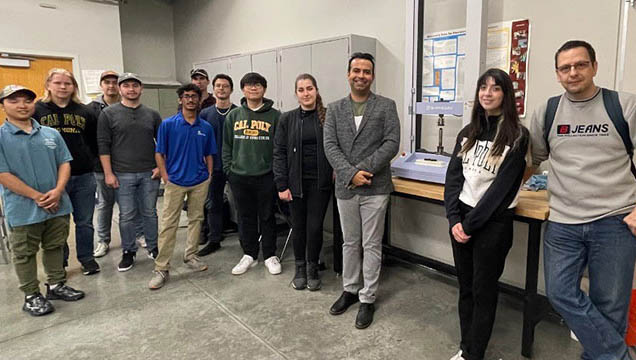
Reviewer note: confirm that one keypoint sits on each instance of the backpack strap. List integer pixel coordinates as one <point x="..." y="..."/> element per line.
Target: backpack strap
<point x="550" y="112"/>
<point x="615" y="112"/>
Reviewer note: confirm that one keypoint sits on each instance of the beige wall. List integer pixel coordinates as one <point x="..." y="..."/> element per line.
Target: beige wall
<point x="85" y="29"/>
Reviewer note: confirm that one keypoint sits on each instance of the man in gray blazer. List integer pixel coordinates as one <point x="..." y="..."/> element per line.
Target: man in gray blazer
<point x="361" y="136"/>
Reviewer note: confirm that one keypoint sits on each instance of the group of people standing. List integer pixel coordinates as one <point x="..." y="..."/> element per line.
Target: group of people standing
<point x="121" y="150"/>
<point x="49" y="169"/>
<point x="587" y="136"/>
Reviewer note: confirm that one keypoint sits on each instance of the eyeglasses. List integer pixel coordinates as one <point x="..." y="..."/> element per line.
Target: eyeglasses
<point x="257" y="85"/>
<point x="192" y="97"/>
<point x="565" y="69"/>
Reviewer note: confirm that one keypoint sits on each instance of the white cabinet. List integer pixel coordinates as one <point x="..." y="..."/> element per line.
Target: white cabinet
<point x="265" y="64"/>
<point x="238" y="66"/>
<point x="325" y="59"/>
<point x="329" y="66"/>
<point x="294" y="61"/>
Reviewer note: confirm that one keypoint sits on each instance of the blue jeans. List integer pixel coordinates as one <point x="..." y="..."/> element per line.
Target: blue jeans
<point x="608" y="248"/>
<point x="104" y="209"/>
<point x="81" y="191"/>
<point x="137" y="193"/>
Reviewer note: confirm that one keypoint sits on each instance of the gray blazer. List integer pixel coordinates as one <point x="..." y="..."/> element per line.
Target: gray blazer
<point x="371" y="148"/>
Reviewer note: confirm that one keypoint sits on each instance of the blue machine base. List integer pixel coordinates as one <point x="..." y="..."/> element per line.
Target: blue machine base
<point x="407" y="166"/>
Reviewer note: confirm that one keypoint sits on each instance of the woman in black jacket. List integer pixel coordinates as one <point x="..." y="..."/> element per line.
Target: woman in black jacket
<point x="303" y="177"/>
<point x="481" y="192"/>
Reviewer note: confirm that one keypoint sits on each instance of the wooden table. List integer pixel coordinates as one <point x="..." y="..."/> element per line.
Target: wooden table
<point x="532" y="209"/>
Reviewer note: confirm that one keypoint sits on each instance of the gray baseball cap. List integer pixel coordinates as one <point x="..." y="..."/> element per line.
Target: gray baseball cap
<point x="199" y="71"/>
<point x="128" y="76"/>
<point x="12" y="89"/>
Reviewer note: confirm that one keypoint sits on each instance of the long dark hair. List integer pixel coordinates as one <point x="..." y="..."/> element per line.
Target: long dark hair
<point x="320" y="108"/>
<point x="509" y="129"/>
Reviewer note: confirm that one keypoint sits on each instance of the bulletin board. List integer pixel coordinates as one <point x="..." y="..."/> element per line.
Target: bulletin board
<point x="444" y="54"/>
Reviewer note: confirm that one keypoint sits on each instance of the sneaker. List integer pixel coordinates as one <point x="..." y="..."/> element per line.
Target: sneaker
<point x="63" y="292"/>
<point x="209" y="248"/>
<point x="37" y="305"/>
<point x="313" y="277"/>
<point x="195" y="264"/>
<point x="142" y="241"/>
<point x="90" y="267"/>
<point x="153" y="253"/>
<point x="273" y="265"/>
<point x="300" y="278"/>
<point x="245" y="264"/>
<point x="159" y="278"/>
<point x="457" y="356"/>
<point x="100" y="250"/>
<point x="127" y="261"/>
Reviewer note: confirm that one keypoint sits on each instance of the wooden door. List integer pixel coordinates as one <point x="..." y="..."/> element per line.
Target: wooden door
<point x="32" y="77"/>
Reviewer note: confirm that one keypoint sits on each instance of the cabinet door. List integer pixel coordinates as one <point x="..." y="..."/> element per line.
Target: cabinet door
<point x="294" y="61"/>
<point x="238" y="66"/>
<point x="265" y="64"/>
<point x="214" y="67"/>
<point x="329" y="67"/>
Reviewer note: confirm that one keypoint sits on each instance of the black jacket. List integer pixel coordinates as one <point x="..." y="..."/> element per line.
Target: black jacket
<point x="288" y="155"/>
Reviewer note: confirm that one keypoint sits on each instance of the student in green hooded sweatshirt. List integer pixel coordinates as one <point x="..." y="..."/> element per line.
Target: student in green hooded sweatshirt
<point x="248" y="143"/>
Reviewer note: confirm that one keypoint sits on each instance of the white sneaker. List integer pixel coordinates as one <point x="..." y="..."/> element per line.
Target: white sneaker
<point x="142" y="241"/>
<point x="273" y="265"/>
<point x="245" y="264"/>
<point x="100" y="250"/>
<point x="457" y="356"/>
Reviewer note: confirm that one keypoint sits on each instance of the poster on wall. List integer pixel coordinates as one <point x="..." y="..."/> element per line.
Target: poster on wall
<point x="444" y="54"/>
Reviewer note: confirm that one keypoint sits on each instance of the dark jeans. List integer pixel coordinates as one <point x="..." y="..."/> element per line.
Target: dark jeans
<point x="308" y="214"/>
<point x="212" y="226"/>
<point x="479" y="264"/>
<point x="81" y="191"/>
<point x="608" y="249"/>
<point x="254" y="197"/>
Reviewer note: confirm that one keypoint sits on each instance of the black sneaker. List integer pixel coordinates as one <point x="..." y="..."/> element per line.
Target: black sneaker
<point x="300" y="278"/>
<point x="90" y="267"/>
<point x="37" y="305"/>
<point x="209" y="248"/>
<point x="151" y="254"/>
<point x="127" y="261"/>
<point x="313" y="277"/>
<point x="63" y="292"/>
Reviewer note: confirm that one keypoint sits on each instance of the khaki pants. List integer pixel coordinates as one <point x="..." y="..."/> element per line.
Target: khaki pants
<point x="172" y="204"/>
<point x="25" y="242"/>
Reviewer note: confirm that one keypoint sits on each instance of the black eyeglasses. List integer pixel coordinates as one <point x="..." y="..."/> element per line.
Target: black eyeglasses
<point x="565" y="69"/>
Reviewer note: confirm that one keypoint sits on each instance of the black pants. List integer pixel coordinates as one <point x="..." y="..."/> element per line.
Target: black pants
<point x="308" y="214"/>
<point x="212" y="226"/>
<point x="254" y="197"/>
<point x="479" y="264"/>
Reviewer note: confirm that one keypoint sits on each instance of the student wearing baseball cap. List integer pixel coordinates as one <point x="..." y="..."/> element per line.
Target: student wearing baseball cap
<point x="37" y="206"/>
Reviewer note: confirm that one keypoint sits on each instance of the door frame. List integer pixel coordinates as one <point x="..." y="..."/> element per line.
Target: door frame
<point x="53" y="54"/>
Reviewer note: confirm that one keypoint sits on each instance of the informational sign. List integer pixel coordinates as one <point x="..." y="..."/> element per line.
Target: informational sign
<point x="444" y="54"/>
<point x="91" y="81"/>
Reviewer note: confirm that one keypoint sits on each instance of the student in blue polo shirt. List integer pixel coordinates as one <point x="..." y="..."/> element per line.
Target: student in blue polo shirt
<point x="34" y="169"/>
<point x="185" y="145"/>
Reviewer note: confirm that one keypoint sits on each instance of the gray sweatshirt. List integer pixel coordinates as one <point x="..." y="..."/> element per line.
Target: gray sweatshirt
<point x="128" y="136"/>
<point x="589" y="169"/>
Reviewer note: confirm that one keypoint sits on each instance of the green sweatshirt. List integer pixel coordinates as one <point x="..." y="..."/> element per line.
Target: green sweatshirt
<point x="248" y="139"/>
